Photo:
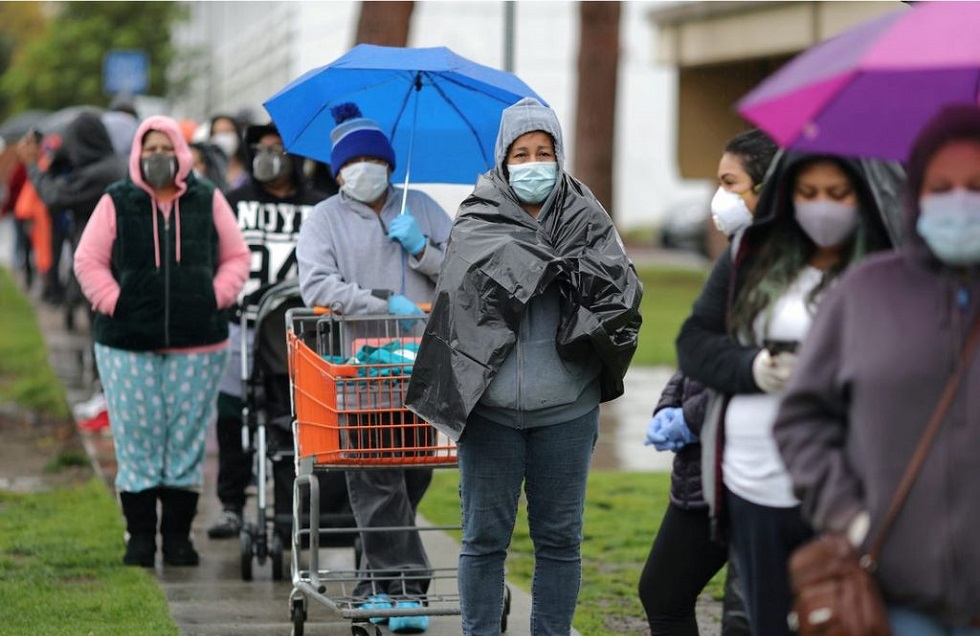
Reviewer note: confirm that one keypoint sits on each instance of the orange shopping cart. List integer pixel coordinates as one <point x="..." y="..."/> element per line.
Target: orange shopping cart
<point x="348" y="377"/>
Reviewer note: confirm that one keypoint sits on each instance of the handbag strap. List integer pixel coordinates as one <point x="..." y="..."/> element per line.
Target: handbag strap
<point x="925" y="442"/>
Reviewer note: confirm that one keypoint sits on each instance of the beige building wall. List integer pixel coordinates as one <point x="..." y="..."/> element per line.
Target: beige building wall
<point x="722" y="50"/>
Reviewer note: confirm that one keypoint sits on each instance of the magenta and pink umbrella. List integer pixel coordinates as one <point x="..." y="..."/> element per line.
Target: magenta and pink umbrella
<point x="868" y="91"/>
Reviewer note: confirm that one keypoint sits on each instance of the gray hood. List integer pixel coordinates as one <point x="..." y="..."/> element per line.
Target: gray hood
<point x="523" y="117"/>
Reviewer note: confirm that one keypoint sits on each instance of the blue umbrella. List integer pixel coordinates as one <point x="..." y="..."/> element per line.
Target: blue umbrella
<point x="441" y="111"/>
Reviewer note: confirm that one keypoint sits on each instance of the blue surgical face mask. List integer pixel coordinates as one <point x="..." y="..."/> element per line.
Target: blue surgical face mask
<point x="949" y="223"/>
<point x="533" y="182"/>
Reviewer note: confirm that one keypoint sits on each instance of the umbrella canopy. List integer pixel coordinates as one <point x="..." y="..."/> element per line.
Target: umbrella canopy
<point x="16" y="126"/>
<point x="868" y="91"/>
<point x="56" y="122"/>
<point x="440" y="110"/>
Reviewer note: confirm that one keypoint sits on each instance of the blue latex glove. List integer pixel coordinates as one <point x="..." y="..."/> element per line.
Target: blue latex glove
<point x="400" y="305"/>
<point x="406" y="231"/>
<point x="668" y="430"/>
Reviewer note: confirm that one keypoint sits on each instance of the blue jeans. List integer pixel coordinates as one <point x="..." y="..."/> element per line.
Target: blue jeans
<point x="906" y="622"/>
<point x="553" y="464"/>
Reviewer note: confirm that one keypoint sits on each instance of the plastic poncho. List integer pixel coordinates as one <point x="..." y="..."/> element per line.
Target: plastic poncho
<point x="498" y="258"/>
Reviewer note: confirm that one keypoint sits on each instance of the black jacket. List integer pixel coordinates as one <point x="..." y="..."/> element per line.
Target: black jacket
<point x="270" y="224"/>
<point x="705" y="349"/>
<point x="686" y="491"/>
<point x="88" y="165"/>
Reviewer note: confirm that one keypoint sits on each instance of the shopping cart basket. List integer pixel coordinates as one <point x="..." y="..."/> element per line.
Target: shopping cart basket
<point x="348" y="405"/>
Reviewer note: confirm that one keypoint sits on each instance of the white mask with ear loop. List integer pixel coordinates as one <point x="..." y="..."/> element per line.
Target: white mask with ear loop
<point x="729" y="212"/>
<point x="365" y="181"/>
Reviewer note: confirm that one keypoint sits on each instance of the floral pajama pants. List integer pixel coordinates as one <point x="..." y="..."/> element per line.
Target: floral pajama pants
<point x="160" y="405"/>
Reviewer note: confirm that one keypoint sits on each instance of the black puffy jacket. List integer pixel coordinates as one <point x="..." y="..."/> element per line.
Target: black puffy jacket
<point x="685" y="478"/>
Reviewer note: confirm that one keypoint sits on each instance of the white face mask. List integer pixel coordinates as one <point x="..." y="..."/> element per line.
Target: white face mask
<point x="729" y="212"/>
<point x="227" y="141"/>
<point x="827" y="223"/>
<point x="365" y="181"/>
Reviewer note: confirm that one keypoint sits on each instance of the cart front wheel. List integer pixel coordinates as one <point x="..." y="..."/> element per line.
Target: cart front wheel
<point x="506" y="612"/>
<point x="297" y="614"/>
<point x="275" y="553"/>
<point x="246" y="554"/>
<point x="365" y="629"/>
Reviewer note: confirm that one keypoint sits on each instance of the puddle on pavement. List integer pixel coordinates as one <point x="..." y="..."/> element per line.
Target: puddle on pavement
<point x="623" y="425"/>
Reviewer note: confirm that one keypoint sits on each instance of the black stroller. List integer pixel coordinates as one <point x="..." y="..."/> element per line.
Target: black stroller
<point x="267" y="431"/>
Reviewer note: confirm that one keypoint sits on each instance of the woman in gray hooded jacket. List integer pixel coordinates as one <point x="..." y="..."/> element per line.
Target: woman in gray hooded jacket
<point x="534" y="323"/>
<point x="870" y="374"/>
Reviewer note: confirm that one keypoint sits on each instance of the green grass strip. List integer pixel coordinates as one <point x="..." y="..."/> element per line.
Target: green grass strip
<point x="667" y="298"/>
<point x="26" y="378"/>
<point x="61" y="570"/>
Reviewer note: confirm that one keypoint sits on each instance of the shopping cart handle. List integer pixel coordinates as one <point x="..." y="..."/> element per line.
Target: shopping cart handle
<point x="326" y="311"/>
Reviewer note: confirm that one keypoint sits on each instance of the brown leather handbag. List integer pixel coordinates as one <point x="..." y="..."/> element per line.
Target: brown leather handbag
<point x="835" y="592"/>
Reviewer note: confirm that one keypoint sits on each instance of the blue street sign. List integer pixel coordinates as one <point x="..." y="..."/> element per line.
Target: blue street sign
<point x="125" y="71"/>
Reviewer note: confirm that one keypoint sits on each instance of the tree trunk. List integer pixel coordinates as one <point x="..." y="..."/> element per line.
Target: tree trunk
<point x="595" y="118"/>
<point x="384" y="23"/>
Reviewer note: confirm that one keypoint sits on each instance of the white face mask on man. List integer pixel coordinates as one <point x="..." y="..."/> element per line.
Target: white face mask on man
<point x="364" y="181"/>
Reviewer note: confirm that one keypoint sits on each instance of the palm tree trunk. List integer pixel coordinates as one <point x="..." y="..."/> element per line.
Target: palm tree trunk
<point x="595" y="122"/>
<point x="384" y="23"/>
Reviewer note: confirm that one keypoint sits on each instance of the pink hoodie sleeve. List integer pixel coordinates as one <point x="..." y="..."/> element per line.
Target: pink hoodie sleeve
<point x="234" y="257"/>
<point x="93" y="257"/>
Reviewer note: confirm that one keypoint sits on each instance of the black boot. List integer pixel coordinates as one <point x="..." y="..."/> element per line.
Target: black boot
<point x="178" y="509"/>
<point x="140" y="510"/>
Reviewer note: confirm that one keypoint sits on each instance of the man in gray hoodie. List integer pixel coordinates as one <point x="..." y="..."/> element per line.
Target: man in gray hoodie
<point x="360" y="253"/>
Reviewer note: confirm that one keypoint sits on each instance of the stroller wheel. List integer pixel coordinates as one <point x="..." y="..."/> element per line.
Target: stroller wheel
<point x="275" y="552"/>
<point x="246" y="554"/>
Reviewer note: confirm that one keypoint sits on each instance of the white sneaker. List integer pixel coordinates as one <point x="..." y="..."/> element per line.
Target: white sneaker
<point x="90" y="408"/>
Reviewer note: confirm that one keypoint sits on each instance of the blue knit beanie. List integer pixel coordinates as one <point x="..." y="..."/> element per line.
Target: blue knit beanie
<point x="356" y="136"/>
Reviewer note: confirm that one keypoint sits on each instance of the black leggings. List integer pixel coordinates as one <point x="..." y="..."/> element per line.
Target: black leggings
<point x="682" y="560"/>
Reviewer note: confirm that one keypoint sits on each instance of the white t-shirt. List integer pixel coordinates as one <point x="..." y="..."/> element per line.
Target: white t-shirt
<point x="752" y="466"/>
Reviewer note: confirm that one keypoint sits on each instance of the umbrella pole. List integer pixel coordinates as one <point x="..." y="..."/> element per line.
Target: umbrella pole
<point x="408" y="174"/>
<point x="411" y="145"/>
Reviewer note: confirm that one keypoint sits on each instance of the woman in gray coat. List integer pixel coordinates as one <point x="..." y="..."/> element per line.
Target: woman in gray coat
<point x="871" y="371"/>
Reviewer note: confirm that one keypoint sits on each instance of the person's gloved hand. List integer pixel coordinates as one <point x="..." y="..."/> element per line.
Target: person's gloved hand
<point x="400" y="305"/>
<point x="771" y="372"/>
<point x="406" y="231"/>
<point x="668" y="430"/>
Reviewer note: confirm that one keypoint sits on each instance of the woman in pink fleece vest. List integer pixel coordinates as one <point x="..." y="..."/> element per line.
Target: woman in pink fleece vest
<point x="160" y="259"/>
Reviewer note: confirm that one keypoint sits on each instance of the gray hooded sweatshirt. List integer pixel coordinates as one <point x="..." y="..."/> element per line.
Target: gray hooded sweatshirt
<point x="348" y="263"/>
